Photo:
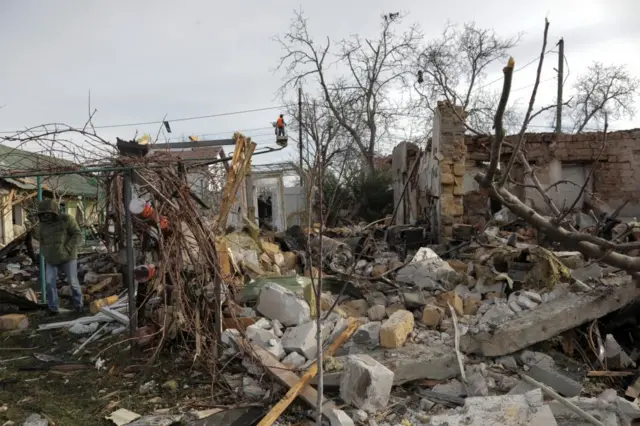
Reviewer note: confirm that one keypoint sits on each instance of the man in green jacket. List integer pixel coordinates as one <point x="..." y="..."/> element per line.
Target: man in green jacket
<point x="60" y="237"/>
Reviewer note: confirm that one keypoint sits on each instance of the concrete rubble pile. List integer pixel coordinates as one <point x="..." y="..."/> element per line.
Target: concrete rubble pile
<point x="512" y="307"/>
<point x="495" y="330"/>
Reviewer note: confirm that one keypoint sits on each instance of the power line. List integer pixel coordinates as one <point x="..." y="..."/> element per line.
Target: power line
<point x="200" y="117"/>
<point x="537" y="58"/>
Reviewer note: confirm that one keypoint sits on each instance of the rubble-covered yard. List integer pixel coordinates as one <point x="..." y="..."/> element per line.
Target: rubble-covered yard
<point x="490" y="326"/>
<point x="514" y="315"/>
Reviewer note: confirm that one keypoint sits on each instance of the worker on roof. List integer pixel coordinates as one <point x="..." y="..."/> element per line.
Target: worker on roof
<point x="59" y="236"/>
<point x="280" y="125"/>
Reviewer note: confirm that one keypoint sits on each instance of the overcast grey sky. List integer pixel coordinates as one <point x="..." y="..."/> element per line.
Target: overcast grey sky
<point x="144" y="59"/>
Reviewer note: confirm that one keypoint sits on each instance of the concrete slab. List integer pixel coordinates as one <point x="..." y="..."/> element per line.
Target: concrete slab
<point x="507" y="410"/>
<point x="415" y="362"/>
<point x="551" y="318"/>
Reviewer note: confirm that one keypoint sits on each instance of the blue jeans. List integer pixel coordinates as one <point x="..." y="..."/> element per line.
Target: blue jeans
<point x="70" y="269"/>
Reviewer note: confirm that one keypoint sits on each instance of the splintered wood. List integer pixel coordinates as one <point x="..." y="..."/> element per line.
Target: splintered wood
<point x="240" y="166"/>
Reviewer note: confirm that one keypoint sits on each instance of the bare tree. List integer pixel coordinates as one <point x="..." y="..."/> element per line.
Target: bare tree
<point x="603" y="90"/>
<point x="614" y="253"/>
<point x="455" y="65"/>
<point x="360" y="98"/>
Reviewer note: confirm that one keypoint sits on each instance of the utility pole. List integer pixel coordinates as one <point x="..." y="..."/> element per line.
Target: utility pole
<point x="300" y="129"/>
<point x="560" y="82"/>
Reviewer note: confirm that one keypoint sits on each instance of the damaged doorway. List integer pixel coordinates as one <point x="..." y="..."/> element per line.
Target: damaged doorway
<point x="269" y="198"/>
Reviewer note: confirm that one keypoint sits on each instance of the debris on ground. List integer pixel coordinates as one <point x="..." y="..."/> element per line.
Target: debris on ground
<point x="474" y="330"/>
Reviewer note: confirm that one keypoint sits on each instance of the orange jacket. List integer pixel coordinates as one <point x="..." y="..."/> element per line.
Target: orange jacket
<point x="280" y="122"/>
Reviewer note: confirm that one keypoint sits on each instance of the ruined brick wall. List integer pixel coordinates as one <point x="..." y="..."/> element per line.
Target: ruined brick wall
<point x="617" y="173"/>
<point x="453" y="151"/>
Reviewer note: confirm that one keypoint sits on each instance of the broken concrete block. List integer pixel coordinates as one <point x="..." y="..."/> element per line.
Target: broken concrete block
<point x="411" y="362"/>
<point x="326" y="301"/>
<point x="276" y="302"/>
<point x="428" y="271"/>
<point x="477" y="385"/>
<point x="294" y="360"/>
<point x="356" y="308"/>
<point x="13" y="322"/>
<point x="617" y="358"/>
<point x="339" y="418"/>
<point x="301" y="339"/>
<point x="231" y="338"/>
<point x="263" y="323"/>
<point x="266" y="339"/>
<point x="587" y="273"/>
<point x="414" y="299"/>
<point x="515" y="307"/>
<point x="506" y="410"/>
<point x="451" y="298"/>
<point x="396" y="329"/>
<point x="540" y="359"/>
<point x="453" y="388"/>
<point x="525" y="303"/>
<point x="368" y="334"/>
<point x="549" y="319"/>
<point x="35" y="420"/>
<point x="609" y="413"/>
<point x="366" y="384"/>
<point x="251" y="388"/>
<point x="394" y="307"/>
<point x="471" y="306"/>
<point x="340" y="325"/>
<point x="276" y="327"/>
<point x="551" y="377"/>
<point x="432" y="315"/>
<point x="508" y="362"/>
<point x="377" y="312"/>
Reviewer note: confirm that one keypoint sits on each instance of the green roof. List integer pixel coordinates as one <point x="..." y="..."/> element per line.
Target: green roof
<point x="16" y="160"/>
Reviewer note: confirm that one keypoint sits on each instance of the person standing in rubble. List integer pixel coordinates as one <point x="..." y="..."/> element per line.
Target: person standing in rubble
<point x="59" y="236"/>
<point x="280" y="125"/>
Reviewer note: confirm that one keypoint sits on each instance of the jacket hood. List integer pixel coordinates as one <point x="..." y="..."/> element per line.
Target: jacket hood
<point x="48" y="206"/>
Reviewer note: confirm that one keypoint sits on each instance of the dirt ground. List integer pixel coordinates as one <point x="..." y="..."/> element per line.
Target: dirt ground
<point x="70" y="391"/>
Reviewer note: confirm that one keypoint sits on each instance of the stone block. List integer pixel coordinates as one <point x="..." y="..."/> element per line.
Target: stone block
<point x="266" y="339"/>
<point x="471" y="306"/>
<point x="459" y="190"/>
<point x="447" y="179"/>
<point x="451" y="298"/>
<point x="617" y="358"/>
<point x="301" y="339"/>
<point x="276" y="302"/>
<point x="394" y="307"/>
<point x="339" y="418"/>
<point x="377" y="312"/>
<point x="395" y="330"/>
<point x="507" y="410"/>
<point x="432" y="316"/>
<point x="366" y="384"/>
<point x="294" y="360"/>
<point x="356" y="308"/>
<point x="13" y="322"/>
<point x="458" y="169"/>
<point x="368" y="334"/>
<point x="551" y="377"/>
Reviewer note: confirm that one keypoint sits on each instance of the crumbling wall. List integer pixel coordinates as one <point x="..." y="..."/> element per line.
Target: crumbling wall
<point x="442" y="170"/>
<point x="559" y="156"/>
<point x="453" y="149"/>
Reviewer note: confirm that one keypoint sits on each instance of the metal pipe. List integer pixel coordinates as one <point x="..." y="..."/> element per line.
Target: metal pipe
<point x="43" y="280"/>
<point x="133" y="315"/>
